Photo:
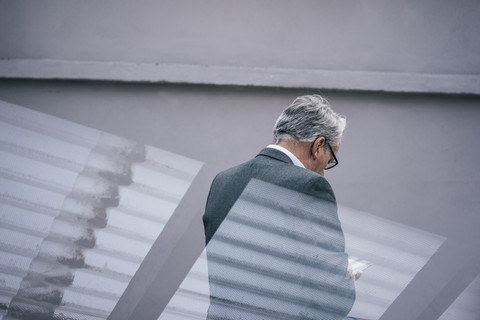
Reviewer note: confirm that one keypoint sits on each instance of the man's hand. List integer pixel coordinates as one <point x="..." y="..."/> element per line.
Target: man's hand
<point x="355" y="276"/>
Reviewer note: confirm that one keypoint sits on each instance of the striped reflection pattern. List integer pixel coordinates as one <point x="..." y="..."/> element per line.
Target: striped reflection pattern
<point x="279" y="254"/>
<point x="395" y="251"/>
<point x="79" y="210"/>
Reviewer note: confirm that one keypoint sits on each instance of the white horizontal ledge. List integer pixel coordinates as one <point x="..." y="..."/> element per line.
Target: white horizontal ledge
<point x="239" y="76"/>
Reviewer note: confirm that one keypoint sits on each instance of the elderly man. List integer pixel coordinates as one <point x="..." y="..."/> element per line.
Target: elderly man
<point x="275" y="246"/>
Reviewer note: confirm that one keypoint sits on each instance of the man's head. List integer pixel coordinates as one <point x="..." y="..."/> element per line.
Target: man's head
<point x="307" y="127"/>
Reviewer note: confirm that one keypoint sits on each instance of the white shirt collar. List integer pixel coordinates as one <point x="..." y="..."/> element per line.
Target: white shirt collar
<point x="288" y="153"/>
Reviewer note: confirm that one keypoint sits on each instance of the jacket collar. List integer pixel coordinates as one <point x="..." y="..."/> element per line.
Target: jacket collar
<point x="275" y="154"/>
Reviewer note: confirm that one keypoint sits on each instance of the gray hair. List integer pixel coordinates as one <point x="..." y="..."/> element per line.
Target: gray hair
<point x="308" y="118"/>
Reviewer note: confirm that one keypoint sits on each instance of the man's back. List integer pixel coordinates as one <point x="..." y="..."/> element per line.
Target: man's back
<point x="275" y="245"/>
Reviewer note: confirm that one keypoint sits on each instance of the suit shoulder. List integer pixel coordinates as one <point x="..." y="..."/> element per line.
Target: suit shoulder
<point x="315" y="184"/>
<point x="319" y="183"/>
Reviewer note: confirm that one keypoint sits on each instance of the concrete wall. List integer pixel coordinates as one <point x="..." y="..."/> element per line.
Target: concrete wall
<point x="407" y="158"/>
<point x="411" y="158"/>
<point x="402" y="36"/>
<point x="427" y="46"/>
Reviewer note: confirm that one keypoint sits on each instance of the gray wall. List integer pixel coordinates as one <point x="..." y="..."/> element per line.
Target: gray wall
<point x="408" y="158"/>
<point x="411" y="158"/>
<point x="427" y="46"/>
<point x="404" y="36"/>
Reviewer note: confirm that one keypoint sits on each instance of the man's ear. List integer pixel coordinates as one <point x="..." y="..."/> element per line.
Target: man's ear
<point x="318" y="144"/>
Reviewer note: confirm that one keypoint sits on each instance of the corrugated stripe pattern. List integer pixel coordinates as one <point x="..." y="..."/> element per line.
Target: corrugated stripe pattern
<point x="394" y="251"/>
<point x="277" y="255"/>
<point x="79" y="210"/>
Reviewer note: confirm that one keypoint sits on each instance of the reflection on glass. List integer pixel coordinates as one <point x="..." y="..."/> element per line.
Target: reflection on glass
<point x="79" y="210"/>
<point x="275" y="258"/>
<point x="279" y="254"/>
<point x="466" y="306"/>
<point x="395" y="251"/>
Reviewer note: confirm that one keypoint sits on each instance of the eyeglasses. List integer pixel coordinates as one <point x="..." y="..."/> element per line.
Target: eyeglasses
<point x="333" y="162"/>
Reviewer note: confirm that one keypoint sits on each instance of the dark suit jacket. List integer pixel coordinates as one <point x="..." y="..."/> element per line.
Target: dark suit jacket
<point x="266" y="181"/>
